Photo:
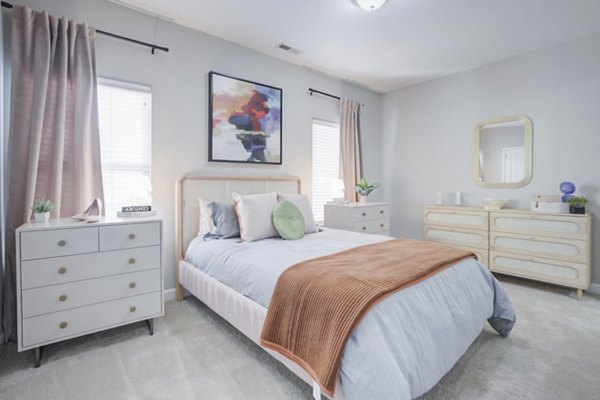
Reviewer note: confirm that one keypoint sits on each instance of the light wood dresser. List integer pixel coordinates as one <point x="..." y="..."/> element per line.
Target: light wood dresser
<point x="548" y="247"/>
<point x="367" y="218"/>
<point x="76" y="278"/>
<point x="461" y="227"/>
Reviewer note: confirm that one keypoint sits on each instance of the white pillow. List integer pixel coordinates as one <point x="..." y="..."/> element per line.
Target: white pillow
<point x="301" y="201"/>
<point x="206" y="224"/>
<point x="255" y="215"/>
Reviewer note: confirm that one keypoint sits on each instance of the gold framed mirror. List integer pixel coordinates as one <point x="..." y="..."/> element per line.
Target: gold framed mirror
<point x="502" y="152"/>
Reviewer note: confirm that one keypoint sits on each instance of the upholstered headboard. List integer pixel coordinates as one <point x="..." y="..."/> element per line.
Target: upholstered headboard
<point x="189" y="188"/>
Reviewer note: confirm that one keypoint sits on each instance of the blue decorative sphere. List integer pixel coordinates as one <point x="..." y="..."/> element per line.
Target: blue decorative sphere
<point x="567" y="188"/>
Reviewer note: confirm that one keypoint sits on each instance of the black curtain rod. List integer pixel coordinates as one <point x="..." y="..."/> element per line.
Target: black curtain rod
<point x="113" y="35"/>
<point x="311" y="91"/>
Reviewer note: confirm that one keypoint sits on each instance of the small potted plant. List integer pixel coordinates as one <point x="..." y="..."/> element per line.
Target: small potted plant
<point x="41" y="210"/>
<point x="577" y="204"/>
<point x="364" y="189"/>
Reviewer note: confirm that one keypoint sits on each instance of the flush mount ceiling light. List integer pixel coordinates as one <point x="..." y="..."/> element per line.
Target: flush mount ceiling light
<point x="369" y="5"/>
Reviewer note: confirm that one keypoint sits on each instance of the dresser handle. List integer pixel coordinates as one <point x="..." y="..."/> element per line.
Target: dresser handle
<point x="63" y="297"/>
<point x="62" y="270"/>
<point x="132" y="261"/>
<point x="132" y="285"/>
<point x="62" y="325"/>
<point x="364" y="228"/>
<point x="364" y="214"/>
<point x="381" y="225"/>
<point x="131" y="236"/>
<point x="381" y="212"/>
<point x="132" y="309"/>
<point x="62" y="243"/>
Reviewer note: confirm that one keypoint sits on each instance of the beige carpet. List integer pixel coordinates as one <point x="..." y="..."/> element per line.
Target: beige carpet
<point x="553" y="353"/>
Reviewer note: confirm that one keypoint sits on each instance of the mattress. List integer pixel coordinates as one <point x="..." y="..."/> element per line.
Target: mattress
<point x="407" y="342"/>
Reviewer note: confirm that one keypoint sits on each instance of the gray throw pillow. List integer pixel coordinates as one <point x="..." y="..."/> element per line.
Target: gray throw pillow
<point x="224" y="219"/>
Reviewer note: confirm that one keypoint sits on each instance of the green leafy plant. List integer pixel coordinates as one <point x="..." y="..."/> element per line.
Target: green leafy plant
<point x="363" y="188"/>
<point x="42" y="205"/>
<point x="578" y="201"/>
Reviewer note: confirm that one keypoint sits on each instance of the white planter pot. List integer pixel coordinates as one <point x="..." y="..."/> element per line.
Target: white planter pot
<point x="362" y="199"/>
<point x="42" y="217"/>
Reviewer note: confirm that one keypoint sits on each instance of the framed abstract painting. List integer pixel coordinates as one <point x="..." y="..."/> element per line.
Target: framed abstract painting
<point x="244" y="121"/>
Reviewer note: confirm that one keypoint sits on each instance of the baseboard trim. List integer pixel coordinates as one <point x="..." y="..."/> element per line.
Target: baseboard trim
<point x="594" y="288"/>
<point x="169" y="294"/>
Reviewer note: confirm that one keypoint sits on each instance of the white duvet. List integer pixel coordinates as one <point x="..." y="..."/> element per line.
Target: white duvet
<point x="407" y="342"/>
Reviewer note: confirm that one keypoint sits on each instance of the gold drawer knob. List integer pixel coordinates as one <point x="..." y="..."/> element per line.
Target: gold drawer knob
<point x="61" y="243"/>
<point x="63" y="297"/>
<point x="132" y="285"/>
<point x="62" y="270"/>
<point x="131" y="236"/>
<point x="132" y="309"/>
<point x="132" y="260"/>
<point x="364" y="214"/>
<point x="62" y="325"/>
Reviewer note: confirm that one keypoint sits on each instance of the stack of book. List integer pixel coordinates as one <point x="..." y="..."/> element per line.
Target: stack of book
<point x="136" y="211"/>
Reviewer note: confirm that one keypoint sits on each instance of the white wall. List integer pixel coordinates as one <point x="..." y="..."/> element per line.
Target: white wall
<point x="179" y="81"/>
<point x="427" y="140"/>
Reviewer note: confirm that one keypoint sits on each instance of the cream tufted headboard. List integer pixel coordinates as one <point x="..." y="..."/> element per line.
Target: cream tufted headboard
<point x="189" y="188"/>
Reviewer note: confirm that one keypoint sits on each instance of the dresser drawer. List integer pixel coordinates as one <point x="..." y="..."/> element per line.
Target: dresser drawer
<point x="49" y="299"/>
<point x="58" y="242"/>
<point x="456" y="236"/>
<point x="373" y="225"/>
<point x="53" y="271"/>
<point x="456" y="218"/>
<point x="131" y="235"/>
<point x="364" y="213"/>
<point x="540" y="246"/>
<point x="544" y="225"/>
<point x="546" y="270"/>
<point x="64" y="324"/>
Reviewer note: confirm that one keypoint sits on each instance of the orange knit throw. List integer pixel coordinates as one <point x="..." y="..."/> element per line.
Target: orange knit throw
<point x="317" y="303"/>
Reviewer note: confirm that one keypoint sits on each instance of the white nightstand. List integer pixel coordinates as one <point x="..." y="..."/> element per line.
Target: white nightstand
<point x="366" y="218"/>
<point x="76" y="278"/>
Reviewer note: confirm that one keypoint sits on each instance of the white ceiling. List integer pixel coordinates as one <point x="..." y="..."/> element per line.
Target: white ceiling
<point x="403" y="43"/>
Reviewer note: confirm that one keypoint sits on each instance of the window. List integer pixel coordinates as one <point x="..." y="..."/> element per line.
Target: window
<point x="325" y="164"/>
<point x="124" y="115"/>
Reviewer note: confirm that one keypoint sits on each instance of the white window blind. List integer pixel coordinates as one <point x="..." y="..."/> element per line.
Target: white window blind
<point x="325" y="164"/>
<point x="125" y="137"/>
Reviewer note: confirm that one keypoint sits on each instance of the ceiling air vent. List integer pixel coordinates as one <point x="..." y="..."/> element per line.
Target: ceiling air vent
<point x="289" y="49"/>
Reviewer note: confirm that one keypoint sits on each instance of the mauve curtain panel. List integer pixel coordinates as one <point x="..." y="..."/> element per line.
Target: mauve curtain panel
<point x="350" y="147"/>
<point x="2" y="167"/>
<point x="54" y="142"/>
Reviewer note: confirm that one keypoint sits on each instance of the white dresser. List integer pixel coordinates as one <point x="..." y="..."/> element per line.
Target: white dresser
<point x="366" y="218"/>
<point x="76" y="278"/>
<point x="548" y="247"/>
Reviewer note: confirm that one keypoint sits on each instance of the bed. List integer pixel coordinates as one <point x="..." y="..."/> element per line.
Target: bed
<point x="402" y="347"/>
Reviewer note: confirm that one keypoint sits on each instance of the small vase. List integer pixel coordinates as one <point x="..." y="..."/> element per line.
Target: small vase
<point x="362" y="199"/>
<point x="42" y="217"/>
<point x="576" y="210"/>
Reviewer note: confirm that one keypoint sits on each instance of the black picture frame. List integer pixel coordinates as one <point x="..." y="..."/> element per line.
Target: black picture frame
<point x="245" y="123"/>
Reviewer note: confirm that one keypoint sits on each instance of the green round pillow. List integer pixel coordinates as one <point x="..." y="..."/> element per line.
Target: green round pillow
<point x="288" y="220"/>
